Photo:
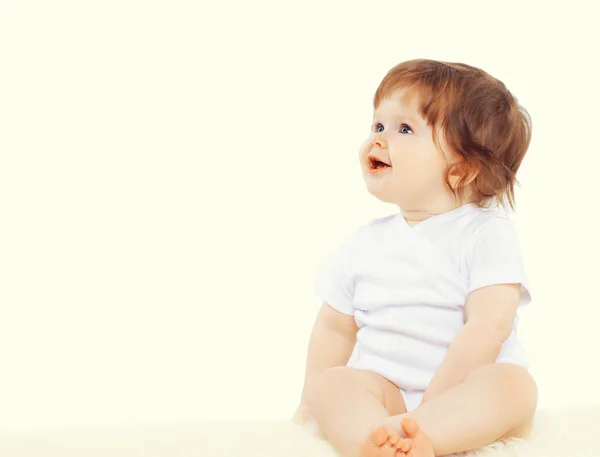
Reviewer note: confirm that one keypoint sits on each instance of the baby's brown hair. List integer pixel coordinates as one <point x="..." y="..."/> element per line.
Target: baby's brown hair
<point x="481" y="122"/>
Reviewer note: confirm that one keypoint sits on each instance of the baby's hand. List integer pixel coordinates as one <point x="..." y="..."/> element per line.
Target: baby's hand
<point x="302" y="415"/>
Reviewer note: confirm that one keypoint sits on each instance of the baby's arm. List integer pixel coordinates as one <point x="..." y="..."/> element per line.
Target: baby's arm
<point x="489" y="316"/>
<point x="331" y="343"/>
<point x="498" y="286"/>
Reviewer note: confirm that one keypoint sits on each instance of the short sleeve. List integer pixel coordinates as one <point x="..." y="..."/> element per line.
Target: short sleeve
<point x="334" y="282"/>
<point x="496" y="258"/>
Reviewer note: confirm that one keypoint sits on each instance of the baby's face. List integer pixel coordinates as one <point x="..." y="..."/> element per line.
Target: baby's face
<point x="412" y="174"/>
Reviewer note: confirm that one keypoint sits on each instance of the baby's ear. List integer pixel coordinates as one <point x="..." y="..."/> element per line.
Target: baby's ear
<point x="462" y="173"/>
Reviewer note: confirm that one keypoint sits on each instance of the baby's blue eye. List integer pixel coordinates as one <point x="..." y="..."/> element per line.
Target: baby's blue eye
<point x="405" y="125"/>
<point x="376" y="126"/>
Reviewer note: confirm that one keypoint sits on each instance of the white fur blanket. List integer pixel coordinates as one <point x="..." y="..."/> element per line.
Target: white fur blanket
<point x="559" y="433"/>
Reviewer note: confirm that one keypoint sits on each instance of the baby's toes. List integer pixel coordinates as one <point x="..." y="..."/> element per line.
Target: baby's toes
<point x="380" y="435"/>
<point x="404" y="444"/>
<point x="393" y="439"/>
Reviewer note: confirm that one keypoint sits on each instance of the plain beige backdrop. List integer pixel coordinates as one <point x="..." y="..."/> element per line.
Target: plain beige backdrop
<point x="173" y="173"/>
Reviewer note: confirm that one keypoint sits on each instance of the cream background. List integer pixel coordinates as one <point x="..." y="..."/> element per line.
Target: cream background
<point x="172" y="174"/>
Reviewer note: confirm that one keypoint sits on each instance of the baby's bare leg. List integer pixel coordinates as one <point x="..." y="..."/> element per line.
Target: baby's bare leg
<point x="348" y="404"/>
<point x="495" y="401"/>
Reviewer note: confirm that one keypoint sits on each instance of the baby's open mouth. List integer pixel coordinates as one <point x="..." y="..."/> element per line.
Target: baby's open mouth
<point x="377" y="164"/>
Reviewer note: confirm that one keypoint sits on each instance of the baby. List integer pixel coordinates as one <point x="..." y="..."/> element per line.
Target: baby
<point x="414" y="351"/>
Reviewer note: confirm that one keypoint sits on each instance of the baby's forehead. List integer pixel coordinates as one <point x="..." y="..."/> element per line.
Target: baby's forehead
<point x="399" y="101"/>
<point x="394" y="108"/>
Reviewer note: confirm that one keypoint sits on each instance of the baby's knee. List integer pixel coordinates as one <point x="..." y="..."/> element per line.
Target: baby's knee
<point x="514" y="380"/>
<point x="347" y="382"/>
<point x="328" y="380"/>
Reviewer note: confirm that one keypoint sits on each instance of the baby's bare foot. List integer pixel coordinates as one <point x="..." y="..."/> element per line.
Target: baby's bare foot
<point x="382" y="443"/>
<point x="416" y="443"/>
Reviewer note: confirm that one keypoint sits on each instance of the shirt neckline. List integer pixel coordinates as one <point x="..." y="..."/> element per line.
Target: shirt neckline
<point x="436" y="218"/>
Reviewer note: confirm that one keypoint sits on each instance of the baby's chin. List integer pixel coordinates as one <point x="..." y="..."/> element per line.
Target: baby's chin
<point x="388" y="194"/>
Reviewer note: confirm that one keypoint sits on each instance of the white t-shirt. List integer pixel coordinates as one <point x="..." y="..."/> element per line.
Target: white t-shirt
<point x="407" y="287"/>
